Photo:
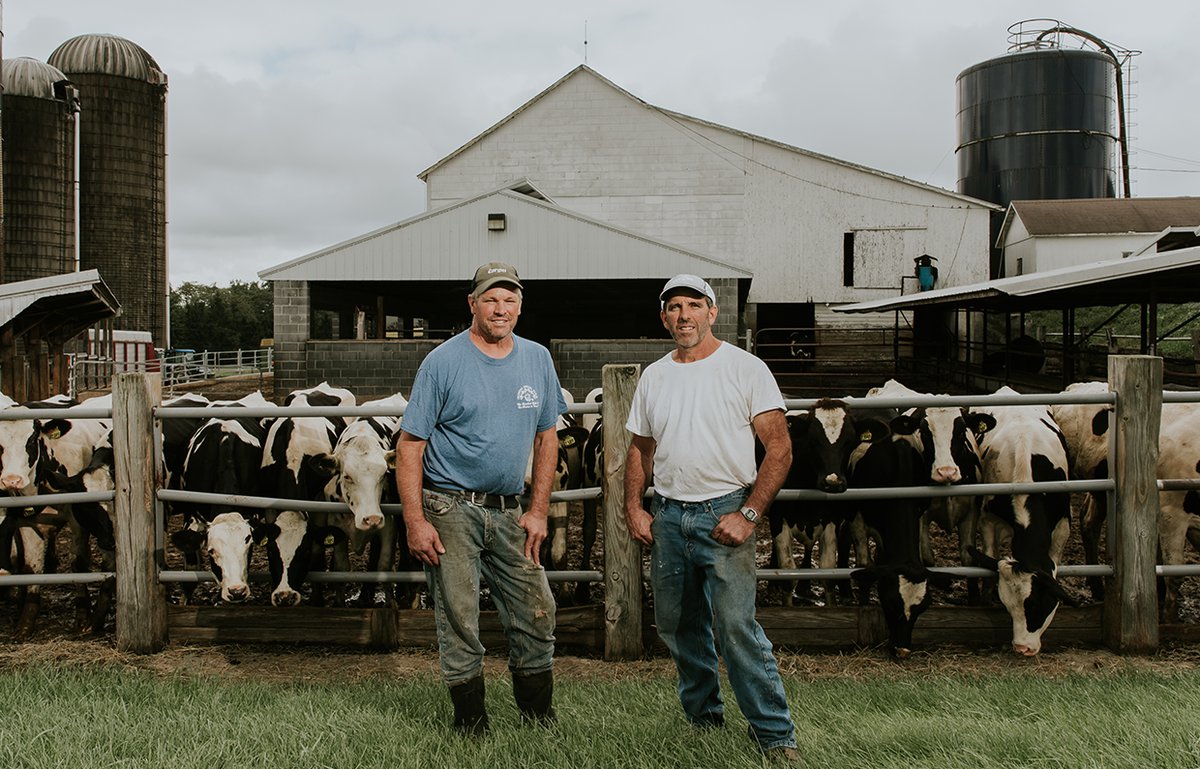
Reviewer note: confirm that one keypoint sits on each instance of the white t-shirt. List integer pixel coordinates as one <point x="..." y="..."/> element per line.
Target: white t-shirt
<point x="699" y="415"/>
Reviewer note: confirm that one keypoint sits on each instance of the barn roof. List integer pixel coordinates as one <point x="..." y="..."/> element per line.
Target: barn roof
<point x="544" y="241"/>
<point x="583" y="68"/>
<point x="1102" y="216"/>
<point x="62" y="305"/>
<point x="1165" y="277"/>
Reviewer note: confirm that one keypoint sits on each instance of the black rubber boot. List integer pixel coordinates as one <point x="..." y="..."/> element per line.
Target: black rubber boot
<point x="470" y="713"/>
<point x="534" y="695"/>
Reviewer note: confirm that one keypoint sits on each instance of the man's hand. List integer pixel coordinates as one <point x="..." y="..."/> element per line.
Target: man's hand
<point x="733" y="529"/>
<point x="535" y="533"/>
<point x="424" y="542"/>
<point x="639" y="525"/>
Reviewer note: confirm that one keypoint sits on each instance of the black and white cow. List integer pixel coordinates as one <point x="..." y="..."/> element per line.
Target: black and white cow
<point x="593" y="476"/>
<point x="63" y="446"/>
<point x="950" y="456"/>
<point x="1086" y="428"/>
<point x="822" y="442"/>
<point x="901" y="577"/>
<point x="224" y="456"/>
<point x="1023" y="444"/>
<point x="290" y="472"/>
<point x="361" y="469"/>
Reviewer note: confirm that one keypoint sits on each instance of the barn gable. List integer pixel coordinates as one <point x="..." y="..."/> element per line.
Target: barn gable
<point x="779" y="211"/>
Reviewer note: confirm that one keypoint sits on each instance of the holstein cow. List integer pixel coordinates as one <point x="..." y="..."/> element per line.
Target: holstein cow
<point x="1022" y="444"/>
<point x="571" y="439"/>
<point x="361" y="472"/>
<point x="69" y="457"/>
<point x="822" y="441"/>
<point x="1086" y="428"/>
<point x="593" y="476"/>
<point x="901" y="577"/>
<point x="289" y="472"/>
<point x="950" y="456"/>
<point x="31" y="531"/>
<point x="224" y="456"/>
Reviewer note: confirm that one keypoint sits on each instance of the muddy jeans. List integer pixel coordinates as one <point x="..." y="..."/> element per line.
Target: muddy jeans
<point x="486" y="541"/>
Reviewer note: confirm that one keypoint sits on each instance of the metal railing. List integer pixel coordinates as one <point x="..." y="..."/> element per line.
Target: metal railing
<point x="88" y="373"/>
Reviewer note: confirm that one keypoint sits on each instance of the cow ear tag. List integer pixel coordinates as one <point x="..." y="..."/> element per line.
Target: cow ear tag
<point x="569" y="440"/>
<point x="328" y="540"/>
<point x="865" y="437"/>
<point x="982" y="427"/>
<point x="262" y="542"/>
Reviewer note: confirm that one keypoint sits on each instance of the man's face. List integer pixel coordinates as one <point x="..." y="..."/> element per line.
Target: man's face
<point x="495" y="312"/>
<point x="688" y="318"/>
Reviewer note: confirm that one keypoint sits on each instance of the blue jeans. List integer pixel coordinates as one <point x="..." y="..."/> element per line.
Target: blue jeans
<point x="697" y="580"/>
<point x="486" y="541"/>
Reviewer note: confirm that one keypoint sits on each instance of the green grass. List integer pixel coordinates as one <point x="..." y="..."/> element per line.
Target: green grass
<point x="112" y="717"/>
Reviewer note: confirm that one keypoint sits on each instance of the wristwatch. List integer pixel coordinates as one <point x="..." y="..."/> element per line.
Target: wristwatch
<point x="750" y="514"/>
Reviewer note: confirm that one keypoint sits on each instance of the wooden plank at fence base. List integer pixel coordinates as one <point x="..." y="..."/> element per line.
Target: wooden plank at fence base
<point x="377" y="628"/>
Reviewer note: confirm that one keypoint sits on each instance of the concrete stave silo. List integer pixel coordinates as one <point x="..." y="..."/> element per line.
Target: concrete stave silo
<point x="39" y="171"/>
<point x="122" y="173"/>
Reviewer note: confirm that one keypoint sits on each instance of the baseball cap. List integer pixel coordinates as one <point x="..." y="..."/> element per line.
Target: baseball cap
<point x="690" y="282"/>
<point x="493" y="273"/>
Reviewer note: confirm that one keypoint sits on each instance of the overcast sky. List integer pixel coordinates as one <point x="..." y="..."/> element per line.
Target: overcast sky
<point x="293" y="125"/>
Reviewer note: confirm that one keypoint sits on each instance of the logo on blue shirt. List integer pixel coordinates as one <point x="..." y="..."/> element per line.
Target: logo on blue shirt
<point x="527" y="398"/>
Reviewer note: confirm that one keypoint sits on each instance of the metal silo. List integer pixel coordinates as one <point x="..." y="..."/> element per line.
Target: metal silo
<point x="39" y="171"/>
<point x="122" y="173"/>
<point x="1037" y="125"/>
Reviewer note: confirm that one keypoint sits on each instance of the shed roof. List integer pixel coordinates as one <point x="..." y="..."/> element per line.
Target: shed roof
<point x="62" y="305"/>
<point x="544" y="240"/>
<point x="1167" y="277"/>
<point x="583" y="68"/>
<point x="1103" y="216"/>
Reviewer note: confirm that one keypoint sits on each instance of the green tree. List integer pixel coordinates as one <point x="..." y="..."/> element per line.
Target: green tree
<point x="209" y="317"/>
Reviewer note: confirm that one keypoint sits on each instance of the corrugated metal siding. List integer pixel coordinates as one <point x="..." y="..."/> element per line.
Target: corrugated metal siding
<point x="107" y="55"/>
<point x="24" y="76"/>
<point x="542" y="240"/>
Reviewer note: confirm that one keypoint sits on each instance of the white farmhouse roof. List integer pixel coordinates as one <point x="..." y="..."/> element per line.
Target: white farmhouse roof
<point x="544" y="241"/>
<point x="1167" y="276"/>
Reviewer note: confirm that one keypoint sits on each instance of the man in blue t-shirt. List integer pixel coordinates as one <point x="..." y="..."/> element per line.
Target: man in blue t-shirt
<point x="482" y="402"/>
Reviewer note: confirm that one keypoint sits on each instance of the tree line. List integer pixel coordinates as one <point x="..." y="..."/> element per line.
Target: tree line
<point x="210" y="317"/>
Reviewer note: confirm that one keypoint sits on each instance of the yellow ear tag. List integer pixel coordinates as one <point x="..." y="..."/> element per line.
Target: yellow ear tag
<point x="263" y="541"/>
<point x="865" y="437"/>
<point x="982" y="428"/>
<point x="328" y="540"/>
<point x="55" y="433"/>
<point x="569" y="440"/>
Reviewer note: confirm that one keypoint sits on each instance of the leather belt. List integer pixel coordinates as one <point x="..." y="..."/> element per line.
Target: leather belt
<point x="498" y="501"/>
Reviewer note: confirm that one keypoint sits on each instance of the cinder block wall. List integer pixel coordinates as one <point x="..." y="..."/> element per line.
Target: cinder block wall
<point x="580" y="361"/>
<point x="370" y="369"/>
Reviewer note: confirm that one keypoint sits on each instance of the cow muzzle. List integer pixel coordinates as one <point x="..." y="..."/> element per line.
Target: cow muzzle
<point x="1025" y="650"/>
<point x="285" y="598"/>
<point x="949" y="474"/>
<point x="14" y="482"/>
<point x="369" y="522"/>
<point x="235" y="593"/>
<point x="833" y="484"/>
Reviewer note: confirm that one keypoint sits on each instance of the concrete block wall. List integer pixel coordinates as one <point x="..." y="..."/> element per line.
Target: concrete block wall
<point x="580" y="361"/>
<point x="291" y="321"/>
<point x="370" y="368"/>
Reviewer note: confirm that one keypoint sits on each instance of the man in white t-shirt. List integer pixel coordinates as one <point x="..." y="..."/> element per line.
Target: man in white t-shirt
<point x="695" y="415"/>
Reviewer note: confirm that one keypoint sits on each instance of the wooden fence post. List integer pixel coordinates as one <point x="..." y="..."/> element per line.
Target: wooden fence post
<point x="622" y="554"/>
<point x="141" y="598"/>
<point x="1131" y="595"/>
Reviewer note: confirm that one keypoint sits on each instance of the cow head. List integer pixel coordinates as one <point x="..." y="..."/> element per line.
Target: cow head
<point x="822" y="442"/>
<point x="1031" y="595"/>
<point x="289" y="543"/>
<point x="948" y="446"/>
<point x="20" y="449"/>
<point x="903" y="595"/>
<point x="227" y="539"/>
<point x="359" y="473"/>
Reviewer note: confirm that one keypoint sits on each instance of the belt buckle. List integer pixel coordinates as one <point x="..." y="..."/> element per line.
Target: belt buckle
<point x="476" y="497"/>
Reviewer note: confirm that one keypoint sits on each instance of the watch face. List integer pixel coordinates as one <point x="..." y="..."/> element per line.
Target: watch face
<point x="750" y="514"/>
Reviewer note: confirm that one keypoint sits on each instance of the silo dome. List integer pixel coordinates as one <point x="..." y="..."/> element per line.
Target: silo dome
<point x="107" y="55"/>
<point x="39" y="170"/>
<point x="122" y="173"/>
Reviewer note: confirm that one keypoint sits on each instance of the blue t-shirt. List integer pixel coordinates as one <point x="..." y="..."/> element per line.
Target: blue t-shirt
<point x="479" y="414"/>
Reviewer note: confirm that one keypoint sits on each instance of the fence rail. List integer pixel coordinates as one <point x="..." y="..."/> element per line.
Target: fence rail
<point x="1130" y="624"/>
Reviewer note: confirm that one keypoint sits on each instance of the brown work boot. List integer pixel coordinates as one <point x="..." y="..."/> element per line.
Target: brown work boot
<point x="784" y="755"/>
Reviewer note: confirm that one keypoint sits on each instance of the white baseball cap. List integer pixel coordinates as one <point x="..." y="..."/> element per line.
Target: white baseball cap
<point x="691" y="283"/>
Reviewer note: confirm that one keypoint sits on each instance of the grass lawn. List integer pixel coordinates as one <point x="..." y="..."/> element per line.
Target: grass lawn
<point x="854" y="711"/>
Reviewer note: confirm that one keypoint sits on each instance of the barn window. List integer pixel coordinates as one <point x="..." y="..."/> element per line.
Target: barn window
<point x="848" y="259"/>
